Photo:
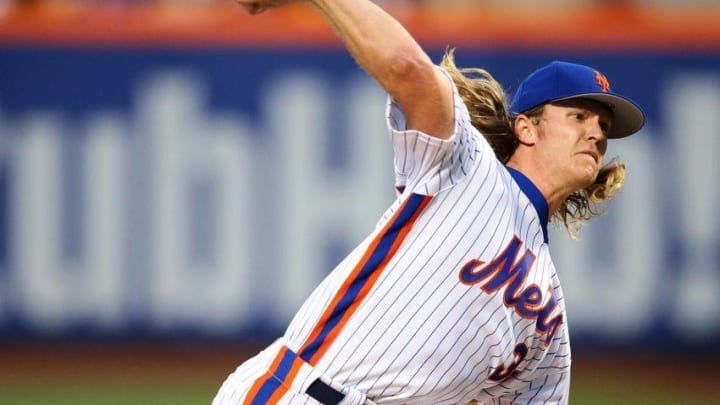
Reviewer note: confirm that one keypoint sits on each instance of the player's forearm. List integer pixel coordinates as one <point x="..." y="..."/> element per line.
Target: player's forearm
<point x="382" y="46"/>
<point x="379" y="43"/>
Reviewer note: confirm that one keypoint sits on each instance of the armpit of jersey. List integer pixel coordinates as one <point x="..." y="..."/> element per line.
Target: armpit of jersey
<point x="427" y="165"/>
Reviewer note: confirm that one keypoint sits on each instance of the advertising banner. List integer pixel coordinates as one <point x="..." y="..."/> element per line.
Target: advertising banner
<point x="206" y="190"/>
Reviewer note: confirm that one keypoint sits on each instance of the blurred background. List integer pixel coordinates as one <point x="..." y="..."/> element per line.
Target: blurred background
<point x="176" y="177"/>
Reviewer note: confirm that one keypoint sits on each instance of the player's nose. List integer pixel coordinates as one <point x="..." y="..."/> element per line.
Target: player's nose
<point x="597" y="133"/>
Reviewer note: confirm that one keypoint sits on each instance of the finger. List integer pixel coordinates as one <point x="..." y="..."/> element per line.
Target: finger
<point x="256" y="8"/>
<point x="252" y="7"/>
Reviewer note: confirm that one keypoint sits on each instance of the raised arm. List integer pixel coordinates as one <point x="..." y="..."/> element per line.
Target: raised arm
<point x="384" y="48"/>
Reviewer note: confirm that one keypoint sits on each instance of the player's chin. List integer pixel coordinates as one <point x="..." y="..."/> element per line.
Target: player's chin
<point x="585" y="175"/>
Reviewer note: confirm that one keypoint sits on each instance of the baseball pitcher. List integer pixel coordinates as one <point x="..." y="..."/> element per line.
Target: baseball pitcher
<point x="453" y="298"/>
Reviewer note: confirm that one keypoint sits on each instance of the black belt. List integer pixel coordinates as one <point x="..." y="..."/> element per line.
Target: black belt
<point x="324" y="393"/>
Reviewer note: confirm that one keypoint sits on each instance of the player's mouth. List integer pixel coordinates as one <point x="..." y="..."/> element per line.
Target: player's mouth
<point x="594" y="155"/>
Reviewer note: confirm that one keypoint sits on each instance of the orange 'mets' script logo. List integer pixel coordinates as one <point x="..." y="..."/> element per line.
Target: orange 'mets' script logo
<point x="602" y="81"/>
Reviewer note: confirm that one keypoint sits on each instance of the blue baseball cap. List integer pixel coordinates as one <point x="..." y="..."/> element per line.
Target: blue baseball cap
<point x="563" y="81"/>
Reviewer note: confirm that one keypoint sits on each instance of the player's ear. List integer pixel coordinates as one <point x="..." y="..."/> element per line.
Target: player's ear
<point x="525" y="129"/>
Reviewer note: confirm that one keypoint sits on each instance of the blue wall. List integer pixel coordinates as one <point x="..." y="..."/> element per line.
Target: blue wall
<point x="171" y="192"/>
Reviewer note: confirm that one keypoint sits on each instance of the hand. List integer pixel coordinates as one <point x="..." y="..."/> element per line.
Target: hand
<point x="255" y="7"/>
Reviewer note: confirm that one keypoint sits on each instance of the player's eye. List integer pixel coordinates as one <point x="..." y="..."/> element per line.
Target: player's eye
<point x="605" y="128"/>
<point x="578" y="116"/>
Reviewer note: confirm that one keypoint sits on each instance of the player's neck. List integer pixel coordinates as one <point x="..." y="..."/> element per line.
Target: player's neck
<point x="555" y="194"/>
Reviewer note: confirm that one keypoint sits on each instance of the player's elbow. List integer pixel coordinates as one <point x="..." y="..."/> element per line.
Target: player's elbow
<point x="410" y="75"/>
<point x="406" y="66"/>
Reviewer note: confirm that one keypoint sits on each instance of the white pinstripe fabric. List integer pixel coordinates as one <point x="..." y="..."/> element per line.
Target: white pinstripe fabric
<point x="421" y="336"/>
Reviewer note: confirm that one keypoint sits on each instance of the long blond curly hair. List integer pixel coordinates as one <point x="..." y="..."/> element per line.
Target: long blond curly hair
<point x="487" y="103"/>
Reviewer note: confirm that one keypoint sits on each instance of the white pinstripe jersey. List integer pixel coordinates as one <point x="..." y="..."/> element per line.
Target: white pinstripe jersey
<point x="454" y="297"/>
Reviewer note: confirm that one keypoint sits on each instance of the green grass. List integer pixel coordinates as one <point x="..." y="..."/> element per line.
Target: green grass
<point x="105" y="393"/>
<point x="157" y="374"/>
<point x="124" y="392"/>
<point x="609" y="394"/>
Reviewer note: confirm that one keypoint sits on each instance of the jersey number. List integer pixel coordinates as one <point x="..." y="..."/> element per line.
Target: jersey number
<point x="502" y="373"/>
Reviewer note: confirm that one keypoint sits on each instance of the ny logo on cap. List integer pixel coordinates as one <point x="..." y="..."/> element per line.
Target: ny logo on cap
<point x="602" y="81"/>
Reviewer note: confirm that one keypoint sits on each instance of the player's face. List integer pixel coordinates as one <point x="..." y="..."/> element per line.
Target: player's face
<point x="572" y="136"/>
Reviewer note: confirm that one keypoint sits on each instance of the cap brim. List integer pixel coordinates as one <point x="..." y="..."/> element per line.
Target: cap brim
<point x="628" y="118"/>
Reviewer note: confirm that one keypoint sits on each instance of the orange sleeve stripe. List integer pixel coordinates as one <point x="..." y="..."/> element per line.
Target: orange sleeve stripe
<point x="362" y="279"/>
<point x="277" y="395"/>
<point x="347" y="283"/>
<point x="343" y="289"/>
<point x="619" y="27"/>
<point x="268" y="374"/>
<point x="371" y="282"/>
